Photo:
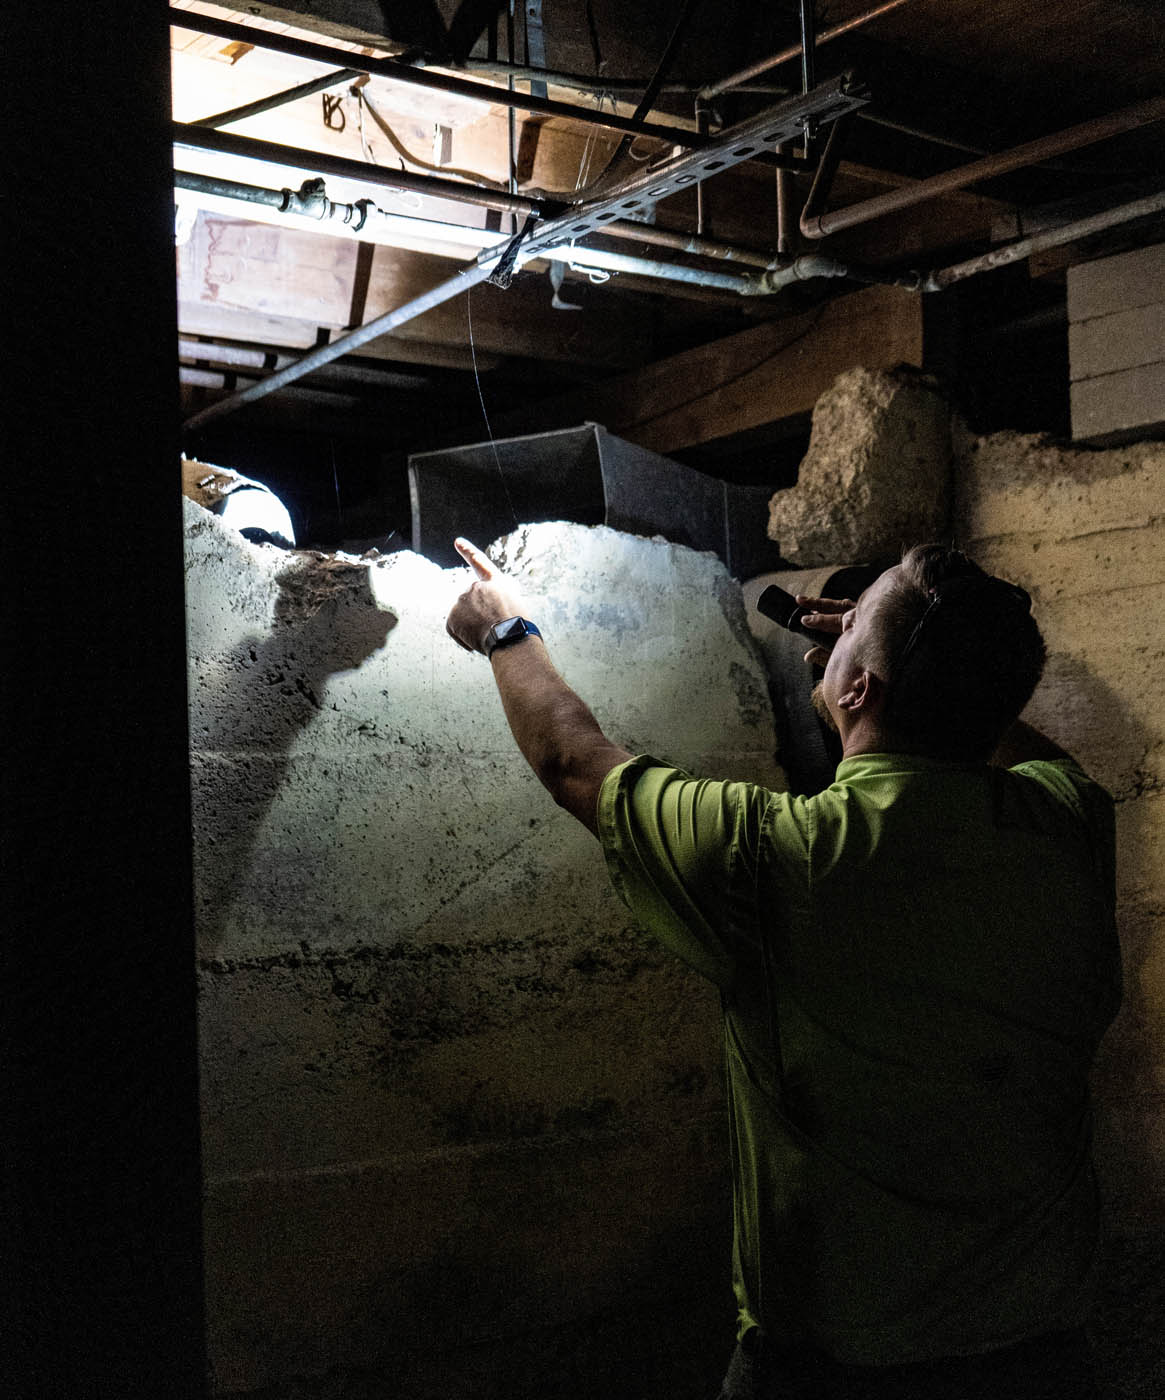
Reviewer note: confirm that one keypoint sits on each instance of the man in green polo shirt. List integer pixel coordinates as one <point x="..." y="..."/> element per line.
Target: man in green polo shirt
<point x="916" y="967"/>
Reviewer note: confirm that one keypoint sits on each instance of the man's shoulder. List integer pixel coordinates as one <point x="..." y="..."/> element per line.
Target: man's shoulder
<point x="1065" y="784"/>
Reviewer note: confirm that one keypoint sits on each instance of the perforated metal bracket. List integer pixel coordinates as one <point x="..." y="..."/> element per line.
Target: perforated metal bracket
<point x="739" y="143"/>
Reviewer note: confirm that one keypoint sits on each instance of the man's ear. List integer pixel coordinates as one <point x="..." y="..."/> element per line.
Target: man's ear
<point x="865" y="696"/>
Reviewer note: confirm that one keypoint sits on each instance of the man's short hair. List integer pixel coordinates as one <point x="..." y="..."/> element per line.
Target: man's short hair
<point x="959" y="650"/>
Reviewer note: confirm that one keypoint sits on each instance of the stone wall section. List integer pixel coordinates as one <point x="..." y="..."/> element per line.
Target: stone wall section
<point x="1084" y="531"/>
<point x="463" y="1124"/>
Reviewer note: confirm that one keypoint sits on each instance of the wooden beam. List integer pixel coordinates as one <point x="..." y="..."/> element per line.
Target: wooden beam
<point x="755" y="377"/>
<point x="245" y="269"/>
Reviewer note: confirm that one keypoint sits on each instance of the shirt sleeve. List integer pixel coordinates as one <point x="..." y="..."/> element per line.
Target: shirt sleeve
<point x="1085" y="803"/>
<point x="682" y="855"/>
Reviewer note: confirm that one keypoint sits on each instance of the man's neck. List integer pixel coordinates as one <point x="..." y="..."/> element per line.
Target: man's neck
<point x="868" y="737"/>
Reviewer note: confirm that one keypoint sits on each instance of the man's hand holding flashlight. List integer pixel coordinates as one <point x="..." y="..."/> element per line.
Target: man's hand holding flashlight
<point x="823" y="615"/>
<point x="487" y="600"/>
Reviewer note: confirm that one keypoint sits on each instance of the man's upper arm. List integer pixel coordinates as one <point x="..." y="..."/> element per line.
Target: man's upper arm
<point x="682" y="854"/>
<point x="576" y="787"/>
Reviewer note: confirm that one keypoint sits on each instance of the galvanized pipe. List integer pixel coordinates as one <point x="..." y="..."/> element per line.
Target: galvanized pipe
<point x="743" y="284"/>
<point x="279" y="99"/>
<point x="943" y="277"/>
<point x="316" y="205"/>
<point x="472" y="194"/>
<point x="399" y="72"/>
<point x="231" y="189"/>
<point x="811" y="266"/>
<point x="734" y="80"/>
<point x="1085" y="134"/>
<point x="229" y="143"/>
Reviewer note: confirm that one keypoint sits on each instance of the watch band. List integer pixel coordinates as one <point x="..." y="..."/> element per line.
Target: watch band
<point x="505" y="633"/>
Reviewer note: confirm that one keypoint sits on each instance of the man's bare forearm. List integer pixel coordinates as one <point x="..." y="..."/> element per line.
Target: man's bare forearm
<point x="554" y="729"/>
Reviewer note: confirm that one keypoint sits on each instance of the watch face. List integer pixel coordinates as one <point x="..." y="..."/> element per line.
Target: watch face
<point x="510" y="630"/>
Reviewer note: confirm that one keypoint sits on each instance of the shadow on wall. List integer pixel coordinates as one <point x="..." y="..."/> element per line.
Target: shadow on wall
<point x="325" y="621"/>
<point x="1090" y="718"/>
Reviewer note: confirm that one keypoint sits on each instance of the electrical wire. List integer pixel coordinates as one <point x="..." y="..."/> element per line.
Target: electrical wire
<point x="649" y="95"/>
<point x="405" y="154"/>
<point x="481" y="399"/>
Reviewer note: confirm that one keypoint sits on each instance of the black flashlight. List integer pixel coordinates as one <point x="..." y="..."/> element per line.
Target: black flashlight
<point x="783" y="609"/>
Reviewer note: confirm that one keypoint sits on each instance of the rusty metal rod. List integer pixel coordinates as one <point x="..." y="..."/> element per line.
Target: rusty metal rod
<point x="786" y="237"/>
<point x="464" y="280"/>
<point x="794" y="50"/>
<point x="279" y="99"/>
<point x="1072" y="139"/>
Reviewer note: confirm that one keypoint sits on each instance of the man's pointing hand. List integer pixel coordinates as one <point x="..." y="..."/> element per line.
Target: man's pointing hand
<point x="487" y="600"/>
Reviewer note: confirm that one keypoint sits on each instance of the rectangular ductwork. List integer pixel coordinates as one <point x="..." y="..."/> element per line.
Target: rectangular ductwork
<point x="589" y="476"/>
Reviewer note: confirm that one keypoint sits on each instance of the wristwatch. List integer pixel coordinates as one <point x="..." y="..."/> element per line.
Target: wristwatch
<point x="506" y="633"/>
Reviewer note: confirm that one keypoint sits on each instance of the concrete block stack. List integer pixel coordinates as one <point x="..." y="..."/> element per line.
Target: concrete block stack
<point x="1116" y="345"/>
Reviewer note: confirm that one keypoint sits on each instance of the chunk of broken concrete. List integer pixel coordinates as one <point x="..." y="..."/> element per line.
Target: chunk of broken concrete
<point x="876" y="476"/>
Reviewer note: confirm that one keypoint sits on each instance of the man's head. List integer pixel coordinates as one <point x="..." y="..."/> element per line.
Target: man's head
<point x="937" y="657"/>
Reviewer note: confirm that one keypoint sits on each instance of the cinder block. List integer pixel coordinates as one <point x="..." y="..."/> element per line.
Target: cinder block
<point x="1119" y="406"/>
<point x="1116" y="284"/>
<point x="1124" y="340"/>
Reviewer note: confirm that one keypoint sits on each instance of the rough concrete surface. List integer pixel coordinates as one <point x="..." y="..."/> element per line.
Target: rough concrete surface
<point x="1084" y="532"/>
<point x="455" y="1107"/>
<point x="876" y="475"/>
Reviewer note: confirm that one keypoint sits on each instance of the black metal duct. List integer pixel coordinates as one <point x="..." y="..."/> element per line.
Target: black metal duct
<point x="589" y="476"/>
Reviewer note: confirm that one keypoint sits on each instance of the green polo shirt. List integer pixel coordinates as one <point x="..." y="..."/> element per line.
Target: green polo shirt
<point x="916" y="966"/>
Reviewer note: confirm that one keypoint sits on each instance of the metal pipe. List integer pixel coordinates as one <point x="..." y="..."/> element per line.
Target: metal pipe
<point x="734" y="80"/>
<point x="511" y="115"/>
<point x="933" y="137"/>
<point x="218" y="355"/>
<point x="826" y="170"/>
<point x="808" y="44"/>
<point x="1085" y="134"/>
<point x="739" y="143"/>
<point x="703" y="126"/>
<point x="623" y="229"/>
<point x="942" y="277"/>
<point x="686" y="243"/>
<point x="229" y="143"/>
<point x="813" y="265"/>
<point x="785" y="236"/>
<point x="743" y="284"/>
<point x="314" y="204"/>
<point x="230" y="189"/>
<point x="310" y="201"/>
<point x="279" y="99"/>
<point x="399" y="72"/>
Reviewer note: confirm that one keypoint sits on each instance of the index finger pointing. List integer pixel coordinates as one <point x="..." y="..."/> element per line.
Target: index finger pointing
<point x="477" y="559"/>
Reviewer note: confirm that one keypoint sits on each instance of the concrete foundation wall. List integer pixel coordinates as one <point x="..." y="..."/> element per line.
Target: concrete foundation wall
<point x="462" y="1125"/>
